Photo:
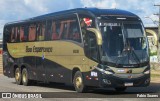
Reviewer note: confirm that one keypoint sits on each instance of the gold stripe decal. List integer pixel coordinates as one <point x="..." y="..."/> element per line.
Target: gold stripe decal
<point x="38" y="49"/>
<point x="67" y="54"/>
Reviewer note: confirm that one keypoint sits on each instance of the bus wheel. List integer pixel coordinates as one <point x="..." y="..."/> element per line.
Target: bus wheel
<point x="121" y="89"/>
<point x="78" y="82"/>
<point x="18" y="76"/>
<point x="25" y="79"/>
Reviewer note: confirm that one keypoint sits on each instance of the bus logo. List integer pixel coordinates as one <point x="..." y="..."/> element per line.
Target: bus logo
<point x="130" y="76"/>
<point x="128" y="70"/>
<point x="6" y="95"/>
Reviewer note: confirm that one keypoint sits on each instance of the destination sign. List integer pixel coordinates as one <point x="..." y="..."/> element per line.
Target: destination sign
<point x="109" y="24"/>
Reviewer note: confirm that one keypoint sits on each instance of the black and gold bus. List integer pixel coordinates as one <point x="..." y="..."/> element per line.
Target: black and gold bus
<point x="86" y="47"/>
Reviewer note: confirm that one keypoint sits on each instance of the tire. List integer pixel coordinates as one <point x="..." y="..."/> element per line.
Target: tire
<point x="18" y="76"/>
<point x="78" y="82"/>
<point x="25" y="79"/>
<point x="121" y="89"/>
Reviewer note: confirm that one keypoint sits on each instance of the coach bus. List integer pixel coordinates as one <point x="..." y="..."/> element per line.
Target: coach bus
<point x="86" y="47"/>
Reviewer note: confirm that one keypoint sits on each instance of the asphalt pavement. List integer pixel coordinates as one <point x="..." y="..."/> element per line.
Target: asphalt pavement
<point x="62" y="92"/>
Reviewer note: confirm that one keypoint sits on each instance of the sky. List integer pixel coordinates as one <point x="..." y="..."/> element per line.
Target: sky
<point x="15" y="10"/>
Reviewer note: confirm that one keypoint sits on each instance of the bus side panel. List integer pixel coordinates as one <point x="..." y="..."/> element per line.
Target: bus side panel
<point x="61" y="69"/>
<point x="56" y="72"/>
<point x="6" y="57"/>
<point x="9" y="62"/>
<point x="7" y="70"/>
<point x="91" y="78"/>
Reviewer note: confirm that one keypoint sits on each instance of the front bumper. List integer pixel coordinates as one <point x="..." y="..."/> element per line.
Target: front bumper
<point x="120" y="80"/>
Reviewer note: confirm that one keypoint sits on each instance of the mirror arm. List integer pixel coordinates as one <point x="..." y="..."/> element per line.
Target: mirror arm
<point x="98" y="35"/>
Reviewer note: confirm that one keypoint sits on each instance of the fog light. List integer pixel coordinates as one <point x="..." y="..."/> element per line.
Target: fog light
<point x="107" y="81"/>
<point x="147" y="81"/>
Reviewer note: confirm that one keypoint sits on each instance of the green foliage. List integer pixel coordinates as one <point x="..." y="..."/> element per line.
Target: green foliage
<point x="153" y="53"/>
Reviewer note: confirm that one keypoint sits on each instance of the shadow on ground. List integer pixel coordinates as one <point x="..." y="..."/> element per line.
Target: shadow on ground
<point x="132" y="92"/>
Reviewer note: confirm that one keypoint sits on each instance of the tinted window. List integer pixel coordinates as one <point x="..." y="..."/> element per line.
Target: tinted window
<point x="14" y="34"/>
<point x="6" y="36"/>
<point x="112" y="39"/>
<point x="48" y="35"/>
<point x="90" y="45"/>
<point x="133" y="30"/>
<point x="74" y="31"/>
<point x="86" y="22"/>
<point x="40" y="31"/>
<point x="64" y="29"/>
<point x="22" y="34"/>
<point x="26" y="30"/>
<point x="32" y="32"/>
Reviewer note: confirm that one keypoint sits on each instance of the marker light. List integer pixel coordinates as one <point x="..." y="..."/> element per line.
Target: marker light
<point x="147" y="72"/>
<point x="107" y="72"/>
<point x="121" y="18"/>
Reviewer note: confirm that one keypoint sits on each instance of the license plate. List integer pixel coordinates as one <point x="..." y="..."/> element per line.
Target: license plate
<point x="128" y="84"/>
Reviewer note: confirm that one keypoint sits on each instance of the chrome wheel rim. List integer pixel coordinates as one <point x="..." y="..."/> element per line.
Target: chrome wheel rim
<point x="17" y="75"/>
<point x="78" y="82"/>
<point x="24" y="76"/>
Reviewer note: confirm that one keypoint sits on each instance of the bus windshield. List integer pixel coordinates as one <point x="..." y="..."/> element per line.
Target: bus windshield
<point x="124" y="43"/>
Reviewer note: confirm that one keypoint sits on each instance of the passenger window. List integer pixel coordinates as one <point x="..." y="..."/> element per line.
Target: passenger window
<point x="7" y="38"/>
<point x="86" y="22"/>
<point x="32" y="32"/>
<point x="91" y="49"/>
<point x="64" y="29"/>
<point x="43" y="31"/>
<point x="14" y="34"/>
<point x="69" y="30"/>
<point x="55" y="30"/>
<point x="61" y="30"/>
<point x="8" y="32"/>
<point x="21" y="34"/>
<point x="40" y="31"/>
<point x="18" y="34"/>
<point x="75" y="31"/>
<point x="48" y="35"/>
<point x="26" y="31"/>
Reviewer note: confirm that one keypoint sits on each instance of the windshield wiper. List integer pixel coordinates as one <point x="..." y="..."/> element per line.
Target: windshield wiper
<point x="135" y="56"/>
<point x="129" y="51"/>
<point x="121" y="55"/>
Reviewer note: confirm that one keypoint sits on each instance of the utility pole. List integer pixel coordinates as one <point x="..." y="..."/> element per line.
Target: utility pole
<point x="158" y="5"/>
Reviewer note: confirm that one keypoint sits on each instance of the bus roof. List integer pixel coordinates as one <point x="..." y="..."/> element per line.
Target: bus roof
<point x="110" y="12"/>
<point x="95" y="11"/>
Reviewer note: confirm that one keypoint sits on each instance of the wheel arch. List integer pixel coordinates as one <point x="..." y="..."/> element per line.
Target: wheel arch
<point x="19" y="66"/>
<point x="14" y="68"/>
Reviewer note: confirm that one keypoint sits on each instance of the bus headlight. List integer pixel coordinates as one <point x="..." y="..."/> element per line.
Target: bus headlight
<point x="108" y="72"/>
<point x="147" y="72"/>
